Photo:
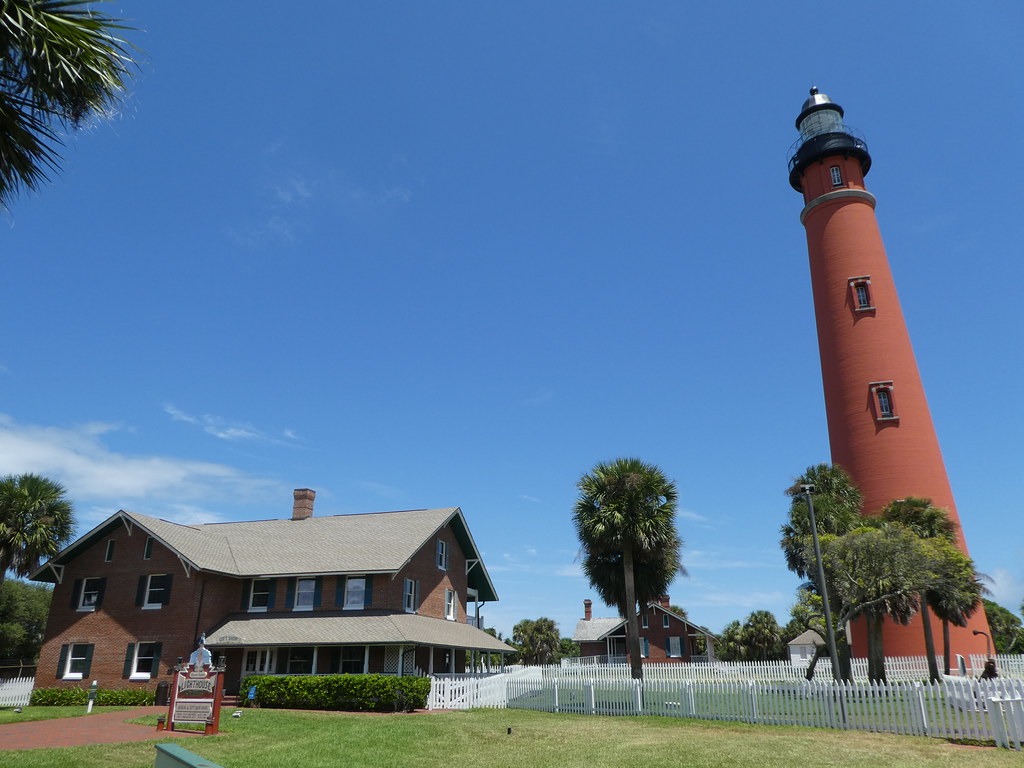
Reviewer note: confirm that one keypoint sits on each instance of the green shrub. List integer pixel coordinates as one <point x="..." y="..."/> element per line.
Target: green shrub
<point x="354" y="693"/>
<point x="105" y="697"/>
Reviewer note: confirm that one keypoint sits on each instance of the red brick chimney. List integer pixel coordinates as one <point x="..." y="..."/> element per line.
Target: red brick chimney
<point x="588" y="610"/>
<point x="303" y="507"/>
<point x="665" y="602"/>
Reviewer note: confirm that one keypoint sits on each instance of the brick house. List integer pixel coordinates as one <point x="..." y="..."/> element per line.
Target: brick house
<point x="383" y="592"/>
<point x="665" y="636"/>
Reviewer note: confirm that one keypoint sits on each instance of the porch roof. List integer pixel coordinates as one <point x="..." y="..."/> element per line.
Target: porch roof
<point x="371" y="628"/>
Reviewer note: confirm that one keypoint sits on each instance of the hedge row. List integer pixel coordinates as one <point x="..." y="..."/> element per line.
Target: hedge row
<point x="105" y="697"/>
<point x="353" y="693"/>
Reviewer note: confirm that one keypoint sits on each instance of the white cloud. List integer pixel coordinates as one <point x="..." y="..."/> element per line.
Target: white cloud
<point x="216" y="426"/>
<point x="572" y="571"/>
<point x="100" y="481"/>
<point x="704" y="560"/>
<point x="1007" y="589"/>
<point x="293" y="190"/>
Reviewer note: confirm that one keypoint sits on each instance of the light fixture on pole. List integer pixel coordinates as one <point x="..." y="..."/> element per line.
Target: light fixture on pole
<point x="829" y="631"/>
<point x="988" y="640"/>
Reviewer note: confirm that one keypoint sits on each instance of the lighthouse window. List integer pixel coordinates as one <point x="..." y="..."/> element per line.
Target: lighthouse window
<point x="837" y="176"/>
<point x="884" y="402"/>
<point x="885" y="409"/>
<point x="861" y="289"/>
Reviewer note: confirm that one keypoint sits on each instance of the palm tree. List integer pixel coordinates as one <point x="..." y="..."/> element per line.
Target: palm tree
<point x="651" y="575"/>
<point x="957" y="591"/>
<point x="538" y="640"/>
<point x="762" y="635"/>
<point x="626" y="510"/>
<point x="62" y="63"/>
<point x="930" y="523"/>
<point x="837" y="510"/>
<point x="837" y="506"/>
<point x="36" y="520"/>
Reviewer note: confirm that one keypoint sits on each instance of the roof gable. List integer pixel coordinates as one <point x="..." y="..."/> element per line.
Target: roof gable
<point x="601" y="628"/>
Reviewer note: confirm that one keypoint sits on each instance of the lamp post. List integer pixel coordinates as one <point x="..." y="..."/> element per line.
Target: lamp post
<point x="829" y="631"/>
<point x="988" y="641"/>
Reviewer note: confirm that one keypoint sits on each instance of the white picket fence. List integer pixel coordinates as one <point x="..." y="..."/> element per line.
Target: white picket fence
<point x="1008" y="722"/>
<point x="910" y="668"/>
<point x="960" y="708"/>
<point x="16" y="691"/>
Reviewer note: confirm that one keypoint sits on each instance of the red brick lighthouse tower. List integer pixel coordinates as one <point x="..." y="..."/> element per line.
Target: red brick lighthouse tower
<point x="879" y="426"/>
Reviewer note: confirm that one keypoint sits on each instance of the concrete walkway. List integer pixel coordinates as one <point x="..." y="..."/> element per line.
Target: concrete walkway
<point x="99" y="728"/>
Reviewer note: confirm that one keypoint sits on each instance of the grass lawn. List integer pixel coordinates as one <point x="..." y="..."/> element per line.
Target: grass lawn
<point x="283" y="739"/>
<point x="8" y="715"/>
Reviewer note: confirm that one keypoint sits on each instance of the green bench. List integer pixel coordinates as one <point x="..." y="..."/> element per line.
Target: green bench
<point x="170" y="755"/>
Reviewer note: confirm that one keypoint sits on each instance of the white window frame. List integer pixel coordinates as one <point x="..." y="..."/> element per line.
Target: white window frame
<point x="147" y="550"/>
<point x="305" y="594"/>
<point x="885" y="404"/>
<point x="861" y="286"/>
<point x="147" y="604"/>
<point x="350" y="603"/>
<point x="252" y="594"/>
<point x="885" y="409"/>
<point x="108" y="555"/>
<point x="442" y="555"/>
<point x="260" y="661"/>
<point x="410" y="590"/>
<point x="665" y="620"/>
<point x="68" y="674"/>
<point x="645" y="647"/>
<point x="90" y="606"/>
<point x="837" y="175"/>
<point x="677" y="651"/>
<point x="644" y="621"/>
<point x="451" y="605"/>
<point x="136" y="674"/>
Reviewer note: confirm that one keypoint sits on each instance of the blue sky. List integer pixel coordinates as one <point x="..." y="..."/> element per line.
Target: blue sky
<point x="454" y="254"/>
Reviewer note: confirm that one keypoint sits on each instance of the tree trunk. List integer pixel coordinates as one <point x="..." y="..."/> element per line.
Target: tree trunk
<point x="945" y="644"/>
<point x="845" y="662"/>
<point x="632" y="625"/>
<point x="876" y="651"/>
<point x="929" y="640"/>
<point x="819" y="651"/>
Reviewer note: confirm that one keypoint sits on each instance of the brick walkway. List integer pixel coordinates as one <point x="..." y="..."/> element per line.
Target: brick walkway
<point x="100" y="728"/>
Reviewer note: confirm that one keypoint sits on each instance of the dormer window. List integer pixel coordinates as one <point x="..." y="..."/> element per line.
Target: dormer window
<point x="837" y="175"/>
<point x="860" y="293"/>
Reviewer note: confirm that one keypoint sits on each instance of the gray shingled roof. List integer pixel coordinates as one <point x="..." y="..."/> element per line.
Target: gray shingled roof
<point x="379" y="542"/>
<point x="361" y="629"/>
<point x="599" y="629"/>
<point x="595" y="629"/>
<point x="809" y="637"/>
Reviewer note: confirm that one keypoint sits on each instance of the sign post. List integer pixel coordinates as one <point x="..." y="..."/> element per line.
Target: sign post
<point x="92" y="696"/>
<point x="196" y="693"/>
